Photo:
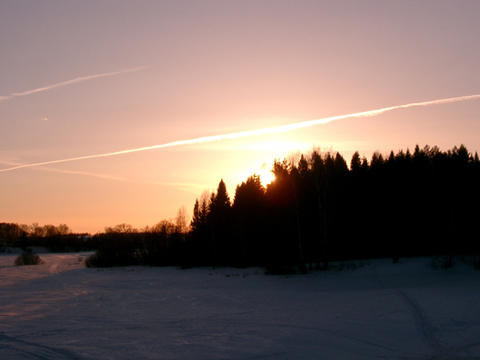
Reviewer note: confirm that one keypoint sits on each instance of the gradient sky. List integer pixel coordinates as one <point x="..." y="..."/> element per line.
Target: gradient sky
<point x="82" y="78"/>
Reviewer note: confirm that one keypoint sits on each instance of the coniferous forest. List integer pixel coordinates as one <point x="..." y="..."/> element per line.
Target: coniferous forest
<point x="318" y="209"/>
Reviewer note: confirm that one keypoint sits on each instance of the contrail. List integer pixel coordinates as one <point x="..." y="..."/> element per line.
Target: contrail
<point x="270" y="130"/>
<point x="117" y="178"/>
<point x="69" y="82"/>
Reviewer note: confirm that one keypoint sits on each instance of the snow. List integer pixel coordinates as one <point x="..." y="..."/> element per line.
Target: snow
<point x="380" y="310"/>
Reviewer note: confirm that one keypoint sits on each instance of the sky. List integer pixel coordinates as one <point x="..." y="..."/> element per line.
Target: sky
<point x="85" y="78"/>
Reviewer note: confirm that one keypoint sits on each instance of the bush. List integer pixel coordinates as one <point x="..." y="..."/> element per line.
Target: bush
<point x="105" y="259"/>
<point x="115" y="249"/>
<point x="92" y="261"/>
<point x="28" y="258"/>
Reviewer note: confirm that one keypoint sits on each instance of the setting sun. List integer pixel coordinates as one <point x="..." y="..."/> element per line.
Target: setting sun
<point x="266" y="177"/>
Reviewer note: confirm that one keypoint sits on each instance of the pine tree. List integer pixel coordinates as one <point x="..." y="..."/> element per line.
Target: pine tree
<point x="220" y="200"/>
<point x="356" y="162"/>
<point x="219" y="219"/>
<point x="249" y="221"/>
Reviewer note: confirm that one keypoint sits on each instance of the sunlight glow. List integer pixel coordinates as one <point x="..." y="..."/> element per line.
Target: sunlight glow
<point x="277" y="147"/>
<point x="266" y="177"/>
<point x="242" y="134"/>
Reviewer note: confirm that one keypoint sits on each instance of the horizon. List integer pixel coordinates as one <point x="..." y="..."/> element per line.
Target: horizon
<point x="90" y="81"/>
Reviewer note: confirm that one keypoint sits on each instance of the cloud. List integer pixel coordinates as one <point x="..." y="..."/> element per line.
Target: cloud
<point x="264" y="131"/>
<point x="70" y="82"/>
<point x="44" y="119"/>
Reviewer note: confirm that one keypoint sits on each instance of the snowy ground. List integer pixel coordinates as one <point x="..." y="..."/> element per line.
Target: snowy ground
<point x="61" y="310"/>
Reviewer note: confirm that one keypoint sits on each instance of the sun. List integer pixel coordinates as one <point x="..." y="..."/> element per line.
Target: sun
<point x="266" y="176"/>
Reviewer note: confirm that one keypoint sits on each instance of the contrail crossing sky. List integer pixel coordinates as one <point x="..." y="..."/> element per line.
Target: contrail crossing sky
<point x="237" y="135"/>
<point x="69" y="82"/>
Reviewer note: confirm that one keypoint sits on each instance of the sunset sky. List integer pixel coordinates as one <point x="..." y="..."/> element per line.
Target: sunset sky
<point x="84" y="78"/>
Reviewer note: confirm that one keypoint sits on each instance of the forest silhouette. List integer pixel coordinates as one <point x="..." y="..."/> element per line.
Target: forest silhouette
<point x="317" y="210"/>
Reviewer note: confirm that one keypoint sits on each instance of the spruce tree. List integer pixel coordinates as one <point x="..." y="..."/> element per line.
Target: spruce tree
<point x="219" y="220"/>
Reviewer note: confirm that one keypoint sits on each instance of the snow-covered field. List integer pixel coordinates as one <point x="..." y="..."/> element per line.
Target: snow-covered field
<point x="61" y="310"/>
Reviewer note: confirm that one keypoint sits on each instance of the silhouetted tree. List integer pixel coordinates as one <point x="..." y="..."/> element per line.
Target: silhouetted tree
<point x="199" y="243"/>
<point x="323" y="172"/>
<point x="181" y="221"/>
<point x="356" y="162"/>
<point x="282" y="230"/>
<point x="120" y="229"/>
<point x="250" y="222"/>
<point x="220" y="219"/>
<point x="295" y="175"/>
<point x="377" y="161"/>
<point x="317" y="211"/>
<point x="12" y="235"/>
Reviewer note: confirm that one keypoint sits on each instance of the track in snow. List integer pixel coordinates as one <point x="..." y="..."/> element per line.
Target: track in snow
<point x="16" y="349"/>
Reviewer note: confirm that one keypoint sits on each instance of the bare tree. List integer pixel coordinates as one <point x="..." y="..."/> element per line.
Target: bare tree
<point x="63" y="229"/>
<point x="181" y="221"/>
<point x="121" y="229"/>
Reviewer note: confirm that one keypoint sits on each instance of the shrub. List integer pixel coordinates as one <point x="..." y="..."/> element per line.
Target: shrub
<point x="115" y="249"/>
<point x="28" y="258"/>
<point x="91" y="261"/>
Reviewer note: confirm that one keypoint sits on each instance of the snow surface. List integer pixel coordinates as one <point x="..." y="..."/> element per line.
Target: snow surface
<point x="380" y="310"/>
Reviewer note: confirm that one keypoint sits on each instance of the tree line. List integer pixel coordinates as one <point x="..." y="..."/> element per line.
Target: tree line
<point x="317" y="210"/>
<point x="163" y="244"/>
<point x="55" y="238"/>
